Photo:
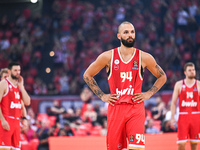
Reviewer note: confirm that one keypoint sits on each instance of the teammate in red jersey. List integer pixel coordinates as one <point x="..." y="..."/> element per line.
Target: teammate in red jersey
<point x="4" y="74"/>
<point x="187" y="90"/>
<point x="12" y="92"/>
<point x="125" y="66"/>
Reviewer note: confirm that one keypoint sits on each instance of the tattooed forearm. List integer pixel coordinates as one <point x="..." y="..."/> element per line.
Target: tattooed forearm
<point x="94" y="87"/>
<point x="154" y="89"/>
<point x="160" y="72"/>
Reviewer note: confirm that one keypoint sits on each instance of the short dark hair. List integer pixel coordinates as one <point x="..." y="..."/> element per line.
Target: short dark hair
<point x="11" y="64"/>
<point x="188" y="64"/>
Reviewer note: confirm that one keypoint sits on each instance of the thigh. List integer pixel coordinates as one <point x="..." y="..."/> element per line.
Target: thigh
<point x="183" y="128"/>
<point x="194" y="128"/>
<point x="135" y="129"/>
<point x="5" y="136"/>
<point x="116" y="135"/>
<point x="16" y="135"/>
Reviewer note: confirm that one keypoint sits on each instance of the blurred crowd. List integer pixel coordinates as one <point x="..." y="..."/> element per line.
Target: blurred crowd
<point x="78" y="31"/>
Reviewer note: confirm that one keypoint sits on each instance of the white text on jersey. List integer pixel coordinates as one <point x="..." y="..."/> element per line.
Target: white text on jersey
<point x="189" y="104"/>
<point x="15" y="105"/>
<point x="127" y="91"/>
<point x="126" y="75"/>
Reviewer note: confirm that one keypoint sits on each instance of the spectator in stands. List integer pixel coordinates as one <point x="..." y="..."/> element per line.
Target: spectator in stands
<point x="90" y="115"/>
<point x="57" y="110"/>
<point x="32" y="125"/>
<point x="166" y="127"/>
<point x="67" y="129"/>
<point x="159" y="111"/>
<point x="86" y="96"/>
<point x="150" y="127"/>
<point x="102" y="116"/>
<point x="43" y="133"/>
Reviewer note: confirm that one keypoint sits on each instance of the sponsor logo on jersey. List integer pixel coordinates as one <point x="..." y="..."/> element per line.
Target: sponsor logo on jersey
<point x="196" y="137"/>
<point x="189" y="104"/>
<point x="127" y="91"/>
<point x="131" y="138"/>
<point x="116" y="67"/>
<point x="15" y="105"/>
<point x="195" y="89"/>
<point x="135" y="65"/>
<point x="10" y="87"/>
<point x="116" y="62"/>
<point x="120" y="146"/>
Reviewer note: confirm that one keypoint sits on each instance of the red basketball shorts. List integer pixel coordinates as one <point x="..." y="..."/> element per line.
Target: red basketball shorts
<point x="125" y="121"/>
<point x="188" y="128"/>
<point x="11" y="138"/>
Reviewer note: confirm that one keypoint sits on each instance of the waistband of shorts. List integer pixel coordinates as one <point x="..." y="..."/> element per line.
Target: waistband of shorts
<point x="17" y="118"/>
<point x="193" y="112"/>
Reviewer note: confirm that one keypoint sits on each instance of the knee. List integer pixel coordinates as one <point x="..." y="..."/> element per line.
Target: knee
<point x="181" y="146"/>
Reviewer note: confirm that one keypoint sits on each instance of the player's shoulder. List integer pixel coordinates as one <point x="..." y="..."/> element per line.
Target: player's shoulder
<point x="198" y="82"/>
<point x="146" y="55"/>
<point x="107" y="54"/>
<point x="3" y="83"/>
<point x="179" y="83"/>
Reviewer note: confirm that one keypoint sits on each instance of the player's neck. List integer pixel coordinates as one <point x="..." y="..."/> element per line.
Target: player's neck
<point x="13" y="81"/>
<point x="189" y="82"/>
<point x="126" y="50"/>
<point x="126" y="53"/>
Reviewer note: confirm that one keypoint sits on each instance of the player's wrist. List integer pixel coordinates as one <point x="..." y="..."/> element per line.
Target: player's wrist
<point x="23" y="118"/>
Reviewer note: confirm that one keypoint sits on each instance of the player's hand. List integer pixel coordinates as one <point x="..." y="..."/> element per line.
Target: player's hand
<point x="110" y="98"/>
<point x="140" y="97"/>
<point x="25" y="123"/>
<point x="21" y="81"/>
<point x="5" y="125"/>
<point x="173" y="123"/>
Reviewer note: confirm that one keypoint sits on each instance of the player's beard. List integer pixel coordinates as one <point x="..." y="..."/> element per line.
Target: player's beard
<point x="191" y="77"/>
<point x="14" y="77"/>
<point x="126" y="43"/>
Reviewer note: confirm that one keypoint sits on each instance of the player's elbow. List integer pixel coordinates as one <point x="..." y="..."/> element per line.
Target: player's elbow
<point x="28" y="101"/>
<point x="86" y="76"/>
<point x="164" y="78"/>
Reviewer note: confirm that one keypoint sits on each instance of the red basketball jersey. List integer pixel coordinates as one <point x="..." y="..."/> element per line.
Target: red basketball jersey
<point x="189" y="98"/>
<point x="11" y="102"/>
<point x="125" y="77"/>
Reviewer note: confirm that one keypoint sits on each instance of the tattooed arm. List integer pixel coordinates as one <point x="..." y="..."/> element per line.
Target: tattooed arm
<point x="149" y="62"/>
<point x="102" y="61"/>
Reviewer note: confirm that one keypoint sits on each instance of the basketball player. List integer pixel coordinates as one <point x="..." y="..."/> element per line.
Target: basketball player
<point x="4" y="74"/>
<point x="12" y="91"/>
<point x="187" y="90"/>
<point x="125" y="66"/>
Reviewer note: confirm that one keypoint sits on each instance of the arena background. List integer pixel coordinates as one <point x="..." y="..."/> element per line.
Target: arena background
<point x="52" y="40"/>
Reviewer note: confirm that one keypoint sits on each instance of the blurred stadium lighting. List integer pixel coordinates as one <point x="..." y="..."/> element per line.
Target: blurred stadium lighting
<point x="52" y="53"/>
<point x="34" y="1"/>
<point x="48" y="70"/>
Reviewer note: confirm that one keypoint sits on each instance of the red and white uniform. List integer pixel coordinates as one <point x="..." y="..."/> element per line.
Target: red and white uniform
<point x="11" y="110"/>
<point x="189" y="114"/>
<point x="125" y="119"/>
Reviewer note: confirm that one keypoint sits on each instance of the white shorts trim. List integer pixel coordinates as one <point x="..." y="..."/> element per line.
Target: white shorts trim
<point x="9" y="147"/>
<point x="196" y="112"/>
<point x="134" y="145"/>
<point x="182" y="141"/>
<point x="194" y="140"/>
